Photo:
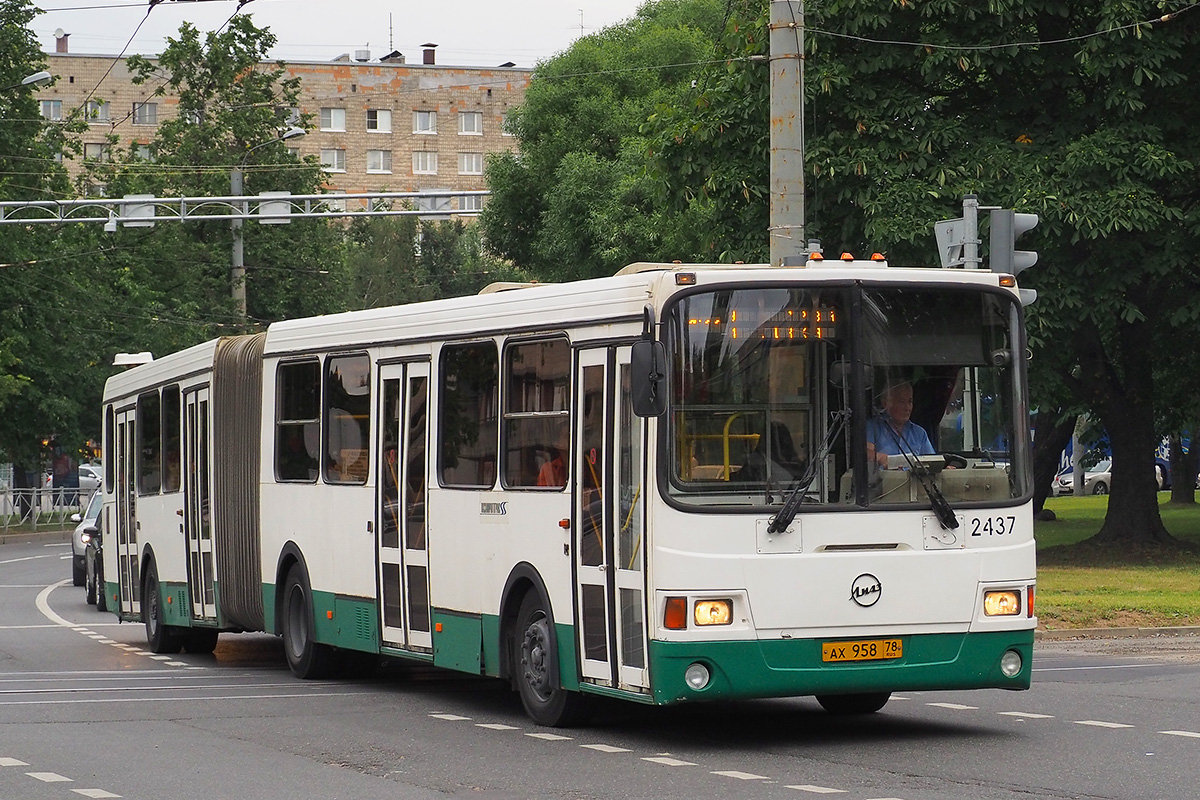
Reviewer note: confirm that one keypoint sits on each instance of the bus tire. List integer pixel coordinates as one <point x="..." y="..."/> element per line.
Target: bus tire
<point x="307" y="659"/>
<point x="534" y="654"/>
<point x="847" y="704"/>
<point x="200" y="641"/>
<point x="101" y="589"/>
<point x="160" y="637"/>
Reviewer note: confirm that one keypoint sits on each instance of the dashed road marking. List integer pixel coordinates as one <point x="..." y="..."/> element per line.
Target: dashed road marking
<point x="161" y="658"/>
<point x="741" y="776"/>
<point x="606" y="748"/>
<point x="1189" y="734"/>
<point x="808" y="787"/>
<point x="954" y="706"/>
<point x="449" y="717"/>
<point x="549" y="737"/>
<point x="496" y="726"/>
<point x="1024" y="715"/>
<point x="667" y="761"/>
<point x="1101" y="724"/>
<point x="97" y="793"/>
<point x="5" y="761"/>
<point x="49" y="777"/>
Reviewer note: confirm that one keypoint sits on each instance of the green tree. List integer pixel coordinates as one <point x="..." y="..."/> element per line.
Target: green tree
<point x="577" y="202"/>
<point x="1078" y="110"/>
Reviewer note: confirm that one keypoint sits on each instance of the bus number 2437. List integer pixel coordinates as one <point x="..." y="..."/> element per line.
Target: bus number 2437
<point x="992" y="526"/>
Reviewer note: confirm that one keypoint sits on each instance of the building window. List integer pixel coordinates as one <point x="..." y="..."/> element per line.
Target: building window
<point x="145" y="113"/>
<point x="52" y="110"/>
<point x="333" y="160"/>
<point x="97" y="111"/>
<point x="293" y="117"/>
<point x="379" y="120"/>
<point x="424" y="162"/>
<point x="333" y="119"/>
<point x="379" y="161"/>
<point x="470" y="202"/>
<point x="143" y="152"/>
<point x="470" y="123"/>
<point x="97" y="152"/>
<point x="467" y="418"/>
<point x="424" y="122"/>
<point x="537" y="430"/>
<point x="470" y="163"/>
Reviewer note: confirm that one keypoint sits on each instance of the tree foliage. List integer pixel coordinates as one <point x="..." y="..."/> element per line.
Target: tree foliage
<point x="577" y="202"/>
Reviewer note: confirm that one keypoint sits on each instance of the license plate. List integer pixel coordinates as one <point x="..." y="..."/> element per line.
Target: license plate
<point x="867" y="650"/>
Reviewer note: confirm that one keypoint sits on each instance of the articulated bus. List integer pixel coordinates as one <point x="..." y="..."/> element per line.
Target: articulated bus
<point x="654" y="486"/>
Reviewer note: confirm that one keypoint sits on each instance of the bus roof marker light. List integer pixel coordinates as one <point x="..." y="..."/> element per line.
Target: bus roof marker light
<point x="847" y="256"/>
<point x="685" y="279"/>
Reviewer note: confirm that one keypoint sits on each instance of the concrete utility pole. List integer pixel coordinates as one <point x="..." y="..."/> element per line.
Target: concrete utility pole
<point x="787" y="133"/>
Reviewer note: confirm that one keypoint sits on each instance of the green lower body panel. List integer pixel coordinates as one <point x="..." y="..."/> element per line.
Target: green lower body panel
<point x="793" y="667"/>
<point x="457" y="641"/>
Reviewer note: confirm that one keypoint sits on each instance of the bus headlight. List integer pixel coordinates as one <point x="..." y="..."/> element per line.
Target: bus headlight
<point x="1010" y="663"/>
<point x="713" y="612"/>
<point x="697" y="676"/>
<point x="1001" y="604"/>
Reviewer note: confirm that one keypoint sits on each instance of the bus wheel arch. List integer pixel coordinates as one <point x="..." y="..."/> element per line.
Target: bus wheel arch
<point x="523" y="579"/>
<point x="160" y="637"/>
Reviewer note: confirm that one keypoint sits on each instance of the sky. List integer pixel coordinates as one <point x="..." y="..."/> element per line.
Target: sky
<point x="477" y="33"/>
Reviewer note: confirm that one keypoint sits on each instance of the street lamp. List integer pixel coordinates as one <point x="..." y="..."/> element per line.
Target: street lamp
<point x="36" y="79"/>
<point x="237" y="270"/>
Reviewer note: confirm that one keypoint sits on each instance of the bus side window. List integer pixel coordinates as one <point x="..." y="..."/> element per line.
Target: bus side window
<point x="297" y="420"/>
<point x="347" y="408"/>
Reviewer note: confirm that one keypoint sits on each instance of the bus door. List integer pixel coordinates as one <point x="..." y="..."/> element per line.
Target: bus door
<point x="609" y="523"/>
<point x="401" y="545"/>
<point x="126" y="521"/>
<point x="197" y="514"/>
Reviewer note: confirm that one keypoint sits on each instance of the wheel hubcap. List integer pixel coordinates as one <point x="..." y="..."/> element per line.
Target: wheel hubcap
<point x="533" y="657"/>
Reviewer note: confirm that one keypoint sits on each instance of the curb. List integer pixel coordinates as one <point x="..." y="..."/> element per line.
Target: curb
<point x="18" y="537"/>
<point x="1115" y="633"/>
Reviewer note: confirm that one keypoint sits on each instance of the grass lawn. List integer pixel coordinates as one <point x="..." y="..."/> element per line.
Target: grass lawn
<point x="1084" y="588"/>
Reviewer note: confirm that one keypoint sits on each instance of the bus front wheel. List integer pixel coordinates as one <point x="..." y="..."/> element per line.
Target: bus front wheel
<point x="534" y="655"/>
<point x="845" y="704"/>
<point x="307" y="658"/>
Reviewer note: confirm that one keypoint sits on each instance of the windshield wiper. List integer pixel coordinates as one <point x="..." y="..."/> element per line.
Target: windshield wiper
<point x="784" y="517"/>
<point x="941" y="506"/>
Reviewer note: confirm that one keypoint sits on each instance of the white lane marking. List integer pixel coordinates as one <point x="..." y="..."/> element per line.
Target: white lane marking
<point x="549" y="737"/>
<point x="1024" y="714"/>
<point x="161" y="658"/>
<point x="27" y="558"/>
<point x="954" y="706"/>
<point x="449" y="717"/>
<point x="57" y="544"/>
<point x="107" y="641"/>
<point x="1190" y="734"/>
<point x="97" y="793"/>
<point x="27" y="627"/>
<point x="1097" y="666"/>
<point x="496" y="726"/>
<point x="176" y="663"/>
<point x="808" y="787"/>
<point x="1101" y="724"/>
<point x="741" y="776"/>
<point x="606" y="748"/>
<point x="667" y="761"/>
<point x="49" y="777"/>
<point x="5" y="761"/>
<point x="97" y="636"/>
<point x="237" y="697"/>
<point x="43" y="604"/>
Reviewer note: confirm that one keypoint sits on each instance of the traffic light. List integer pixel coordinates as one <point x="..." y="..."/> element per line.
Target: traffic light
<point x="1007" y="227"/>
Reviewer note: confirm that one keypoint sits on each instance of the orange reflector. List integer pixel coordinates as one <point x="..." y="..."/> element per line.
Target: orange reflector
<point x="564" y="523"/>
<point x="1008" y="280"/>
<point x="328" y="615"/>
<point x="816" y="257"/>
<point x="847" y="257"/>
<point x="877" y="257"/>
<point x="169" y="599"/>
<point x="685" y="279"/>
<point x="675" y="616"/>
<point x="437" y="627"/>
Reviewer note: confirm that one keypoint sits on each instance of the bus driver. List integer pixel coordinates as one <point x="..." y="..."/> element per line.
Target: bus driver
<point x="893" y="433"/>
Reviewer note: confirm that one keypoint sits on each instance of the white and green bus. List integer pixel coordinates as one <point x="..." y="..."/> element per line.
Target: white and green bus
<point x="654" y="486"/>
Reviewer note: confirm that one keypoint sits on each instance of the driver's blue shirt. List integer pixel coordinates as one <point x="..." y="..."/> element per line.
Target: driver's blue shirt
<point x="881" y="434"/>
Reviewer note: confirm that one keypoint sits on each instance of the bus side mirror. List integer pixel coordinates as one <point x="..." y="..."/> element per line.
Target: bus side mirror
<point x="647" y="364"/>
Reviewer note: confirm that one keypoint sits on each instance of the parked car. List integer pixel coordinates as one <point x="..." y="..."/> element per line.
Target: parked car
<point x="83" y="521"/>
<point x="94" y="565"/>
<point x="1096" y="480"/>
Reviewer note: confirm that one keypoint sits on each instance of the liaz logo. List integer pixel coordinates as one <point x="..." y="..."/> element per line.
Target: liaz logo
<point x="866" y="590"/>
<point x="492" y="509"/>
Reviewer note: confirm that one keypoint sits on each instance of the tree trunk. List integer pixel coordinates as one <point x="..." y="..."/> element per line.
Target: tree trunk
<point x="1183" y="471"/>
<point x="1050" y="436"/>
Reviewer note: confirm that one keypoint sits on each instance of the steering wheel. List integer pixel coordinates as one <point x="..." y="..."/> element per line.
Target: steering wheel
<point x="955" y="460"/>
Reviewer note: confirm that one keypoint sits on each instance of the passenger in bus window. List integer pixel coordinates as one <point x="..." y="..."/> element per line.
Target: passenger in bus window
<point x="892" y="433"/>
<point x="553" y="472"/>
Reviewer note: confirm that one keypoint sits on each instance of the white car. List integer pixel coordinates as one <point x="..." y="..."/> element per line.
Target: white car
<point x="89" y="478"/>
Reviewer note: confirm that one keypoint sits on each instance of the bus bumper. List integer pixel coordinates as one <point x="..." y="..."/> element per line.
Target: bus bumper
<point x="793" y="667"/>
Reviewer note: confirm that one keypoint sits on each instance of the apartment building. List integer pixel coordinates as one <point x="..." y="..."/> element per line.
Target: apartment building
<point x="377" y="125"/>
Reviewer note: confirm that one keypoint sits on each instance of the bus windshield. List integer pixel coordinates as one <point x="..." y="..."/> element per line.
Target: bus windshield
<point x="765" y="397"/>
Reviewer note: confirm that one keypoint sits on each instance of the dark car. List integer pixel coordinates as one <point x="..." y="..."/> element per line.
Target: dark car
<point x="94" y="565"/>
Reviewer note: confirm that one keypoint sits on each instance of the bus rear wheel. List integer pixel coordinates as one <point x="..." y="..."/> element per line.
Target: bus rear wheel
<point x="160" y="637"/>
<point x="307" y="658"/>
<point x="534" y="654"/>
<point x="847" y="704"/>
<point x="200" y="641"/>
